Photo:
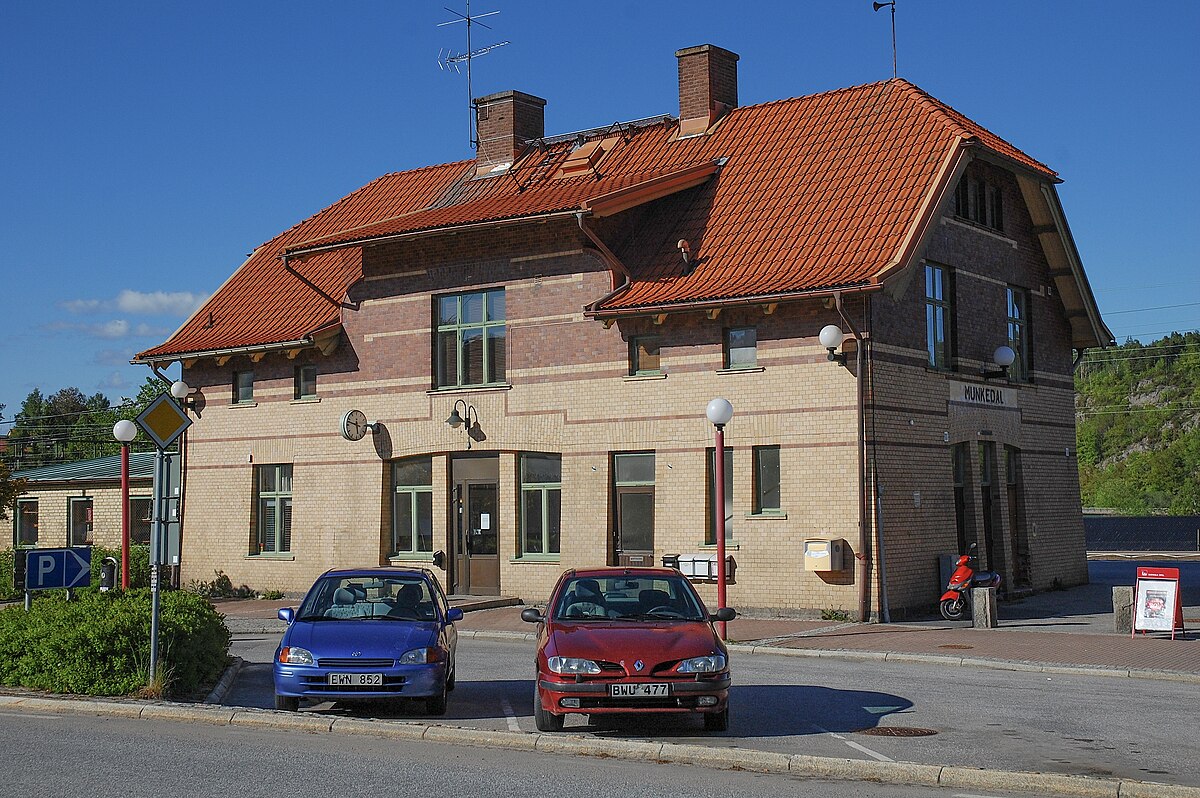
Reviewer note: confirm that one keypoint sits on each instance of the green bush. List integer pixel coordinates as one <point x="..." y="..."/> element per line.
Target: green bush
<point x="139" y="568"/>
<point x="99" y="643"/>
<point x="7" y="591"/>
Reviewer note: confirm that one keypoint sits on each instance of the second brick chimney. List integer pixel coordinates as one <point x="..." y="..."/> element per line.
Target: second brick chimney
<point x="504" y="122"/>
<point x="707" y="86"/>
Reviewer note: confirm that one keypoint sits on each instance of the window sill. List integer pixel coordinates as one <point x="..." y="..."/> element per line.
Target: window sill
<point x="766" y="516"/>
<point x="240" y="405"/>
<point x="287" y="557"/>
<point x="658" y="375"/>
<point x="307" y="400"/>
<point x="980" y="228"/>
<point x="730" y="545"/>
<point x="742" y="370"/>
<point x="535" y="559"/>
<point x="451" y="390"/>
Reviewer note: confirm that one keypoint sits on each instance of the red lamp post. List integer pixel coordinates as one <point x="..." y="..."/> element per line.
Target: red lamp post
<point x="125" y="431"/>
<point x="719" y="412"/>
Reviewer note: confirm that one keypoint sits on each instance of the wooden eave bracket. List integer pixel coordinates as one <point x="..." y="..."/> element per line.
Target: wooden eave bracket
<point x="223" y="359"/>
<point x="712" y="313"/>
<point x="256" y="357"/>
<point x="769" y="308"/>
<point x="659" y="318"/>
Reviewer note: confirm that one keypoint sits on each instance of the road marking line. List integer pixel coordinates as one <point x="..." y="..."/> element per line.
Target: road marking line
<point x="509" y="715"/>
<point x="854" y="745"/>
<point x="29" y="715"/>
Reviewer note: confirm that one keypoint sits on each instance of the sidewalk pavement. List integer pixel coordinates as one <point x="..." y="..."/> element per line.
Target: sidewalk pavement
<point x="1051" y="632"/>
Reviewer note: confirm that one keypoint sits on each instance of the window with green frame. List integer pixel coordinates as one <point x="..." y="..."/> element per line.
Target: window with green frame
<point x="1018" y="332"/>
<point x="471" y="339"/>
<point x="767" y="480"/>
<point x="412" y="506"/>
<point x="710" y="528"/>
<point x="26" y="522"/>
<point x="643" y="355"/>
<point x="243" y="387"/>
<point x="541" y="504"/>
<point x="939" y="307"/>
<point x="304" y="382"/>
<point x="741" y="347"/>
<point x="273" y="513"/>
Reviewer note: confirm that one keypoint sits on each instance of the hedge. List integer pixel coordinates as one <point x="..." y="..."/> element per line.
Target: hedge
<point x="99" y="643"/>
<point x="139" y="568"/>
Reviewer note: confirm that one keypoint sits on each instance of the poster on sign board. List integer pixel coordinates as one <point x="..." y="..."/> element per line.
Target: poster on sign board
<point x="1154" y="605"/>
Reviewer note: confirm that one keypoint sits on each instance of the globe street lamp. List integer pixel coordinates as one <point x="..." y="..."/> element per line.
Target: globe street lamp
<point x="125" y="431"/>
<point x="719" y="412"/>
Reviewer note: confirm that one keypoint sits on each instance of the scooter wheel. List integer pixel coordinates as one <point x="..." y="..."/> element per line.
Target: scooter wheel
<point x="952" y="609"/>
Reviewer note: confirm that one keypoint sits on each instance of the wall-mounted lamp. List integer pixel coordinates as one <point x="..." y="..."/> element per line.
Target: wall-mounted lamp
<point x="831" y="338"/>
<point x="469" y="417"/>
<point x="1003" y="357"/>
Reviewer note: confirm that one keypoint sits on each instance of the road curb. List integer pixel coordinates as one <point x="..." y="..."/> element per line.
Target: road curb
<point x="668" y="753"/>
<point x="228" y="676"/>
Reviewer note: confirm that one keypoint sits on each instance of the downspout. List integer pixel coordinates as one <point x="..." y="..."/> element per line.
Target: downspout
<point x="613" y="262"/>
<point x="885" y="607"/>
<point x="864" y="551"/>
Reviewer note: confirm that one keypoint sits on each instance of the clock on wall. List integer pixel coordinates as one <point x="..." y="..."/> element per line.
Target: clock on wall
<point x="354" y="425"/>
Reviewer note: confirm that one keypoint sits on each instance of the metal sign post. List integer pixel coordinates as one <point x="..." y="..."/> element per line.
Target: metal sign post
<point x="163" y="421"/>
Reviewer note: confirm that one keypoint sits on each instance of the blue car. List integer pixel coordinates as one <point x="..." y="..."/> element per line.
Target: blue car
<point x="368" y="633"/>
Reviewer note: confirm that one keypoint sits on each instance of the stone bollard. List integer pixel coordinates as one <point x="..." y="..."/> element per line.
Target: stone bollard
<point x="983" y="607"/>
<point x="1122" y="609"/>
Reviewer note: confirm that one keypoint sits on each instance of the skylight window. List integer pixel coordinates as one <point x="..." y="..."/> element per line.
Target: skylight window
<point x="587" y="156"/>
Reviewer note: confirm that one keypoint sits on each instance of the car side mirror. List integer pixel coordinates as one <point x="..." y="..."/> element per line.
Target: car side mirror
<point x="531" y="615"/>
<point x="723" y="614"/>
<point x="287" y="614"/>
<point x="454" y="614"/>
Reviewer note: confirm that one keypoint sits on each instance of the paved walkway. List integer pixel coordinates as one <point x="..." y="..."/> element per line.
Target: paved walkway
<point x="1063" y="629"/>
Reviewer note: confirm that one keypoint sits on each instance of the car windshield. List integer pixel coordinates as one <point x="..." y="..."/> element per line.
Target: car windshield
<point x="649" y="598"/>
<point x="356" y="598"/>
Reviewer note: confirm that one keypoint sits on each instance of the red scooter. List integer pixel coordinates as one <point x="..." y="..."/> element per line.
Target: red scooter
<point x="958" y="592"/>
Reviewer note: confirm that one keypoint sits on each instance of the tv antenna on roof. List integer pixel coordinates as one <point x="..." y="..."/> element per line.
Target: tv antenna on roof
<point x="891" y="3"/>
<point x="449" y="59"/>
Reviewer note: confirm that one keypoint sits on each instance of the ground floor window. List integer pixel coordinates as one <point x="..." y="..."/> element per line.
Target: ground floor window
<point x="633" y="491"/>
<point x="273" y="513"/>
<point x="767" y="480"/>
<point x="412" y="506"/>
<point x="27" y="522"/>
<point x="80" y="522"/>
<point x="710" y="533"/>
<point x="139" y="519"/>
<point x="541" y="503"/>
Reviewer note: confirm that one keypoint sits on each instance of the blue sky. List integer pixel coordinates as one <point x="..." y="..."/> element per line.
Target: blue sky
<point x="149" y="146"/>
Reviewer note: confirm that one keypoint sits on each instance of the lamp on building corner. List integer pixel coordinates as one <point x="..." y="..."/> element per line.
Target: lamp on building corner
<point x="831" y="338"/>
<point x="1003" y="357"/>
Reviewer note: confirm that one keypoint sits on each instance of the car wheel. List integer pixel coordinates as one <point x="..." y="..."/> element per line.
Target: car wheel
<point x="717" y="721"/>
<point x="545" y="721"/>
<point x="288" y="703"/>
<point x="436" y="704"/>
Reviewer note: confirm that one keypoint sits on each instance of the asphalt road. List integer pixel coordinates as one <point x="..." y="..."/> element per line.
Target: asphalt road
<point x="1090" y="726"/>
<point x="51" y="755"/>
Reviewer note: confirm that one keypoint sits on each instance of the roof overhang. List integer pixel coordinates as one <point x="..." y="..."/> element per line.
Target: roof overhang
<point x="325" y="340"/>
<point x="717" y="304"/>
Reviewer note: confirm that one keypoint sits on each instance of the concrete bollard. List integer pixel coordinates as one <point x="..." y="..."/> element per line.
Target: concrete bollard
<point x="983" y="607"/>
<point x="1122" y="609"/>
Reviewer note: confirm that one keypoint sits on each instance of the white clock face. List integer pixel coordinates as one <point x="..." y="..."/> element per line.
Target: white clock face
<point x="354" y="425"/>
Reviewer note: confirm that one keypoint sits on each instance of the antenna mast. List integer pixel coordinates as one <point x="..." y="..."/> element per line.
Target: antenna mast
<point x="878" y="6"/>
<point x="448" y="59"/>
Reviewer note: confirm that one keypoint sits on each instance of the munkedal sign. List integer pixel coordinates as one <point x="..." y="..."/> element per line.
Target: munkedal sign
<point x="982" y="394"/>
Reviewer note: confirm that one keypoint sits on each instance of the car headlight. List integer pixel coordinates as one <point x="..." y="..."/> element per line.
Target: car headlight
<point x="714" y="663"/>
<point x="290" y="655"/>
<point x="571" y="665"/>
<point x="421" y="656"/>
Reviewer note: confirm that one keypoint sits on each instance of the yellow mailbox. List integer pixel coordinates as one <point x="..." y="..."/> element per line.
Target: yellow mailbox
<point x="822" y="554"/>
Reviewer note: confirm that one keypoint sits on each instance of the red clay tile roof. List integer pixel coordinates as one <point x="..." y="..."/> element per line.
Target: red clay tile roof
<point x="815" y="193"/>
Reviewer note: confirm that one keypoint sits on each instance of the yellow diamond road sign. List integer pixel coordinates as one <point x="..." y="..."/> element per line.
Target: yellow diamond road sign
<point x="163" y="421"/>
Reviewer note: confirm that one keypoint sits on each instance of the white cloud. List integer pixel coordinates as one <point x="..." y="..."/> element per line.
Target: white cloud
<point x="153" y="303"/>
<point x="113" y="381"/>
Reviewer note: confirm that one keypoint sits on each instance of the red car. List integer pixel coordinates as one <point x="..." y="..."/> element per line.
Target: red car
<point x="629" y="640"/>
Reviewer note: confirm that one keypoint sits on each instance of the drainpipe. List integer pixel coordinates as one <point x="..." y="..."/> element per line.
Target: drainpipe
<point x="613" y="263"/>
<point x="864" y="551"/>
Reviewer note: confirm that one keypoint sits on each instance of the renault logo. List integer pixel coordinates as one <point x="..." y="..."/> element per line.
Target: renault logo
<point x="638" y="665"/>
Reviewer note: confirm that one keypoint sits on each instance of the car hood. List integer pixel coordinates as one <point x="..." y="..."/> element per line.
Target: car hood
<point x="372" y="638"/>
<point x="653" y="642"/>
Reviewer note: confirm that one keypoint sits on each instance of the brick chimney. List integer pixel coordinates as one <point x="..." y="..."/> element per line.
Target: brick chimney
<point x="505" y="121"/>
<point x="707" y="86"/>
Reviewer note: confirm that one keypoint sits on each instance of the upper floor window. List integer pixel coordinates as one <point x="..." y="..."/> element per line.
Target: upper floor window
<point x="767" y="480"/>
<point x="412" y="507"/>
<point x="979" y="201"/>
<point x="541" y="503"/>
<point x="741" y="347"/>
<point x="471" y="339"/>
<point x="643" y="355"/>
<point x="27" y="522"/>
<point x="1018" y="332"/>
<point x="243" y="387"/>
<point x="938" y="315"/>
<point x="305" y="382"/>
<point x="273" y="513"/>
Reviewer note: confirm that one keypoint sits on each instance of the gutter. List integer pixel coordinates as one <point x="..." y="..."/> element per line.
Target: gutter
<point x="864" y="551"/>
<point x="706" y="304"/>
<point x="231" y="351"/>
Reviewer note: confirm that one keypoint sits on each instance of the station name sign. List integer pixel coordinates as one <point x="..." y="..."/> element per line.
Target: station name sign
<point x="975" y="393"/>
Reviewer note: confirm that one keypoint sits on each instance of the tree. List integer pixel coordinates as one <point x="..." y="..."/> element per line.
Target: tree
<point x="10" y="489"/>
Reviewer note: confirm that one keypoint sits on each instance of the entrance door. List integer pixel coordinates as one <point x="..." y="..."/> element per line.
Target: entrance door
<point x="478" y="557"/>
<point x="633" y="542"/>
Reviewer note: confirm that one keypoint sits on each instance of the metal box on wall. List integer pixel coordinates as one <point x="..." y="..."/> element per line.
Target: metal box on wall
<point x="822" y="554"/>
